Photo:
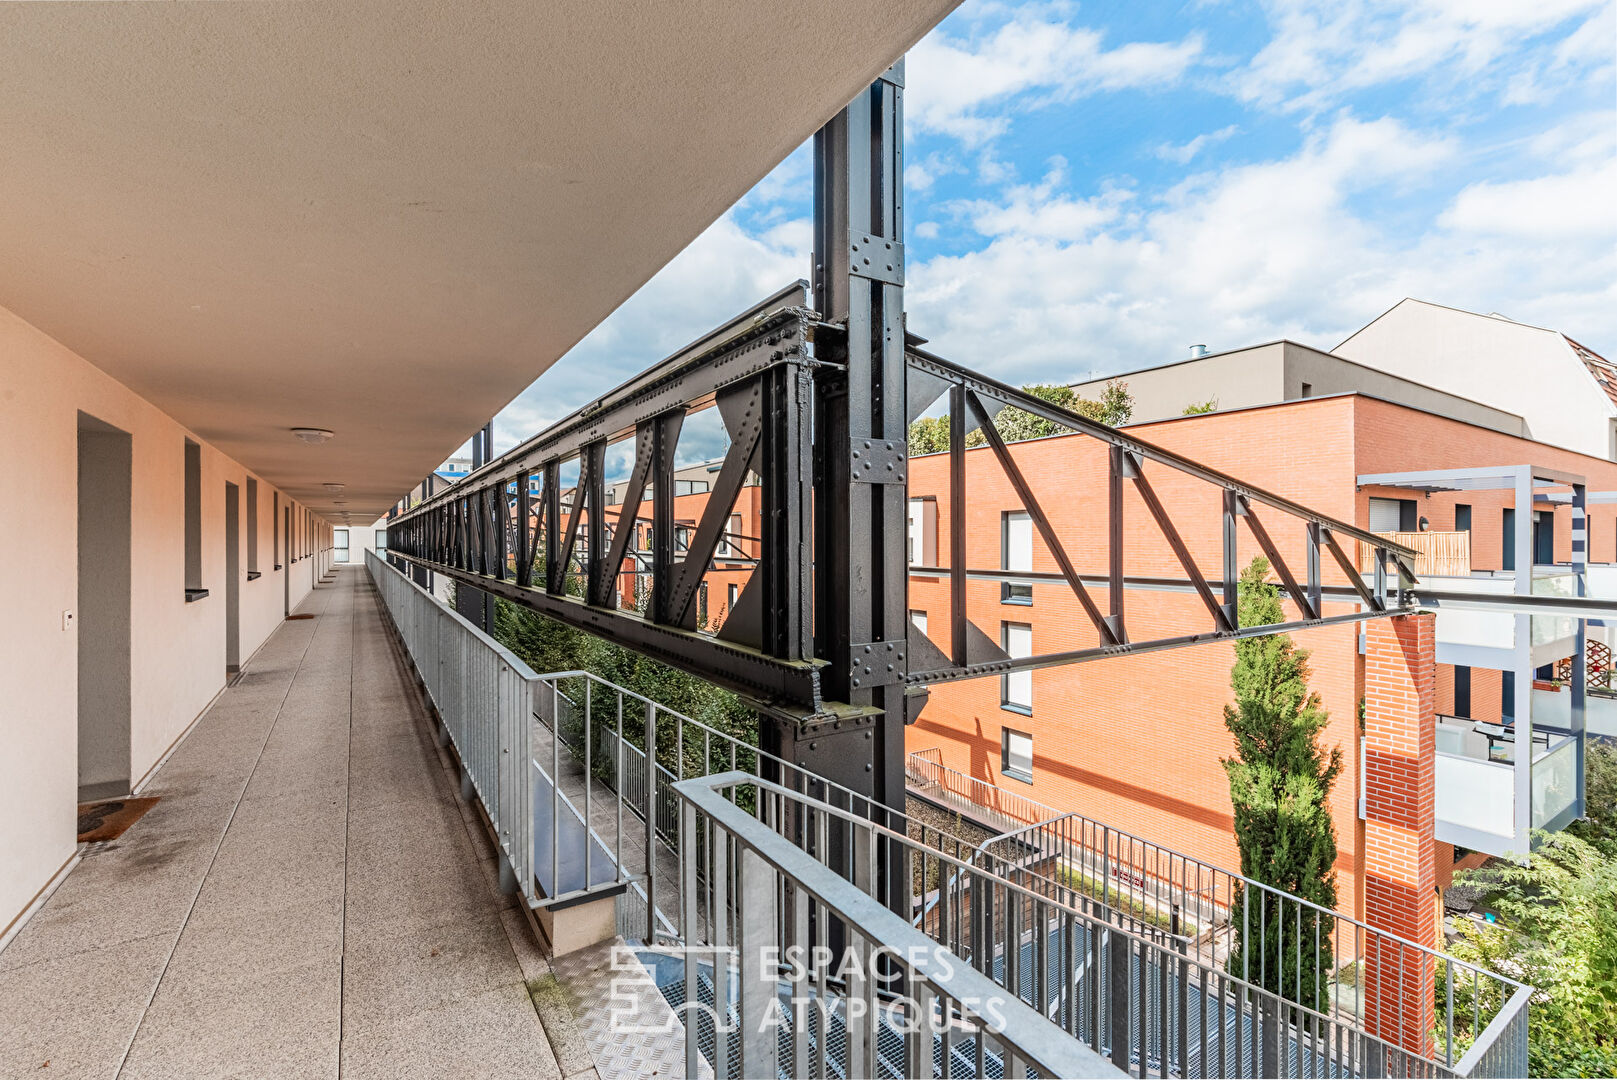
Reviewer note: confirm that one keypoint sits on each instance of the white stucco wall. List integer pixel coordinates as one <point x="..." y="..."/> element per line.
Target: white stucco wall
<point x="1237" y="379"/>
<point x="362" y="538"/>
<point x="1521" y="369"/>
<point x="177" y="662"/>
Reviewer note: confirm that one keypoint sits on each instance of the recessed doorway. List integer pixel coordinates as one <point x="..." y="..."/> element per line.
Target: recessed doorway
<point x="232" y="578"/>
<point x="103" y="616"/>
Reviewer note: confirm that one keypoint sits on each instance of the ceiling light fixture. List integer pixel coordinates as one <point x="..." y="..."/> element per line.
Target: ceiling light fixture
<point x="333" y="487"/>
<point x="312" y="435"/>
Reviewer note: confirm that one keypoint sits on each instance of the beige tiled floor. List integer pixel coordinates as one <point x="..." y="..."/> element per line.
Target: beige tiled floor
<point x="307" y="899"/>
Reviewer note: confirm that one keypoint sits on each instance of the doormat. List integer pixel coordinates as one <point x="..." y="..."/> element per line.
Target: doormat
<point x="99" y="821"/>
<point x="289" y="618"/>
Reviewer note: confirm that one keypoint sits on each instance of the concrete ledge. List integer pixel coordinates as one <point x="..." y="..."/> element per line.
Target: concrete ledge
<point x="569" y="927"/>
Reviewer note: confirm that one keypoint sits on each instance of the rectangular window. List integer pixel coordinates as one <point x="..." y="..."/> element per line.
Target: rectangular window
<point x="919" y="619"/>
<point x="728" y="547"/>
<point x="252" y="525"/>
<point x="1507" y="696"/>
<point x="1462" y="517"/>
<point x="1308" y="389"/>
<point x="1392" y="515"/>
<point x="1016" y="754"/>
<point x="923" y="532"/>
<point x="381" y="541"/>
<point x="730" y="593"/>
<point x="275" y="527"/>
<point x="193" y="521"/>
<point x="1507" y="560"/>
<point x="339" y="545"/>
<point x="1015" y="553"/>
<point x="1462" y="691"/>
<point x="1016" y="687"/>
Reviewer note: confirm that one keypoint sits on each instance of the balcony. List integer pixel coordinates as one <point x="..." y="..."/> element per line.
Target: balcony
<point x="368" y="890"/>
<point x="1476" y="783"/>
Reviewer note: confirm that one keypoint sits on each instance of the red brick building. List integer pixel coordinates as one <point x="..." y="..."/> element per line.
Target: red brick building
<point x="1136" y="741"/>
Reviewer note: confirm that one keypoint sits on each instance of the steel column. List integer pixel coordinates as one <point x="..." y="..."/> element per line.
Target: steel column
<point x="861" y="451"/>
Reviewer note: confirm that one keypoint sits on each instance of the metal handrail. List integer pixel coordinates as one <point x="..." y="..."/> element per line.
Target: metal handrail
<point x="688" y="735"/>
<point x="939" y="994"/>
<point x="483" y="694"/>
<point x="980" y="877"/>
<point x="1169" y="881"/>
<point x="1131" y="997"/>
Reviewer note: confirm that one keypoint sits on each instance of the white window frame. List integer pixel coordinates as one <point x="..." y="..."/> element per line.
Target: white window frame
<point x="921" y="543"/>
<point x="1016" y="687"/>
<point x="1016" y="554"/>
<point x="727" y="547"/>
<point x="1011" y="762"/>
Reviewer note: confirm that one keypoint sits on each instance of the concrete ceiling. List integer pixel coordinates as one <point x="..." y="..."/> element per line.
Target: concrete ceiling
<point x="384" y="219"/>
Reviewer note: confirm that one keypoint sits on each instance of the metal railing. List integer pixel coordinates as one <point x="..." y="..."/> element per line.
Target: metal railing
<point x="1056" y="930"/>
<point x="1144" y="1002"/>
<point x="895" y="999"/>
<point x="604" y="730"/>
<point x="484" y="696"/>
<point x="1335" y="966"/>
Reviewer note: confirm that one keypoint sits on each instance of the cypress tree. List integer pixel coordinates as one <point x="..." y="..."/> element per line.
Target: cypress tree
<point x="1279" y="779"/>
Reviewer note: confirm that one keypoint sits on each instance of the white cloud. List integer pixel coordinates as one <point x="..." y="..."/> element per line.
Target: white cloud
<point x="722" y="273"/>
<point x="1041" y="209"/>
<point x="1555" y="208"/>
<point x="1181" y="153"/>
<point x="955" y="86"/>
<point x="1323" y="49"/>
<point x="1285" y="248"/>
<point x="921" y="173"/>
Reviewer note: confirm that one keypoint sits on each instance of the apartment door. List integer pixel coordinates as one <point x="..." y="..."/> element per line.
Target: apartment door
<point x="286" y="572"/>
<point x="232" y="578"/>
<point x="1544" y="537"/>
<point x="103" y="615"/>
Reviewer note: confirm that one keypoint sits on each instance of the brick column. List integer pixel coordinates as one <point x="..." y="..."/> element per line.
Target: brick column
<point x="1400" y="858"/>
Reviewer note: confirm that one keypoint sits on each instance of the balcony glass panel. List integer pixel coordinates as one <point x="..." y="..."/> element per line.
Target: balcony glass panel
<point x="1555" y="782"/>
<point x="1476" y="794"/>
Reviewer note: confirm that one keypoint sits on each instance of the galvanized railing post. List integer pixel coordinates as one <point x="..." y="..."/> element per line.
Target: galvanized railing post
<point x="756" y="942"/>
<point x="651" y="828"/>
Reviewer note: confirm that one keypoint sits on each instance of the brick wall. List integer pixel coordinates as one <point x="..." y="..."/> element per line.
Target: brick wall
<point x="1136" y="741"/>
<point x="1400" y="854"/>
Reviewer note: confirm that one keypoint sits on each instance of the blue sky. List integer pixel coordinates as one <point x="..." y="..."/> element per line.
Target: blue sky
<point x="1093" y="187"/>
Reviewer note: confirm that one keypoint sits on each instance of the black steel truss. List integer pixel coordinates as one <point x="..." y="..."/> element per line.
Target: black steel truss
<point x="974" y="401"/>
<point x="561" y="551"/>
<point x="816" y="404"/>
<point x="491" y="528"/>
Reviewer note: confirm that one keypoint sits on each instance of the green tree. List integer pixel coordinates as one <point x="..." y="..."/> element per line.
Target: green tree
<point x="1599" y="824"/>
<point x="1558" y="934"/>
<point x="547" y="645"/>
<point x="930" y="435"/>
<point x="1197" y="408"/>
<point x="1279" y="779"/>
